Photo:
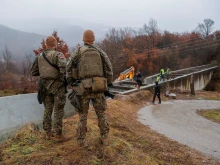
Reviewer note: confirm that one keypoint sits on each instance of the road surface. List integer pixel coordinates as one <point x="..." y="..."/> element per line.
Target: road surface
<point x="179" y="121"/>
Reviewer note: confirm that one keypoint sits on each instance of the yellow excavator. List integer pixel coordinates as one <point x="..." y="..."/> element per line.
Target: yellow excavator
<point x="127" y="74"/>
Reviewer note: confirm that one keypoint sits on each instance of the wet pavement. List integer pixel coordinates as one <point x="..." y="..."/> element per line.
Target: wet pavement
<point x="179" y="121"/>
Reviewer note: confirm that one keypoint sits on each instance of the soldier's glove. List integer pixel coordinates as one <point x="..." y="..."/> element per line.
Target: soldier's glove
<point x="75" y="83"/>
<point x="110" y="85"/>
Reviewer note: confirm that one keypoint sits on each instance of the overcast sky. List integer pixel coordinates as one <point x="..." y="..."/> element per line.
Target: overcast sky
<point x="173" y="15"/>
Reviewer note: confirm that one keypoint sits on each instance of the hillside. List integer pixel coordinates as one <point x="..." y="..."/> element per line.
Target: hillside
<point x="130" y="142"/>
<point x="70" y="30"/>
<point x="18" y="42"/>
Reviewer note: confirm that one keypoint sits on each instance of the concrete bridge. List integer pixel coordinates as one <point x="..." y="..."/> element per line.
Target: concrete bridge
<point x="179" y="79"/>
<point x="20" y="109"/>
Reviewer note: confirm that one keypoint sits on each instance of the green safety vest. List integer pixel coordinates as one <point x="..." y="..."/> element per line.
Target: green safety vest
<point x="168" y="71"/>
<point x="158" y="78"/>
<point x="162" y="71"/>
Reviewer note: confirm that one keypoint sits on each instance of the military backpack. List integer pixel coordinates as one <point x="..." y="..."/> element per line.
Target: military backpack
<point x="90" y="69"/>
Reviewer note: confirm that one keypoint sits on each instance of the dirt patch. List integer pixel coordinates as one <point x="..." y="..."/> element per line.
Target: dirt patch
<point x="130" y="141"/>
<point x="7" y="92"/>
<point x="11" y="92"/>
<point x="213" y="115"/>
<point x="200" y="95"/>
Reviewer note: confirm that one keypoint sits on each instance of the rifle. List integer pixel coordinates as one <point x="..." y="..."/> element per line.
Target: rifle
<point x="109" y="94"/>
<point x="41" y="95"/>
<point x="65" y="84"/>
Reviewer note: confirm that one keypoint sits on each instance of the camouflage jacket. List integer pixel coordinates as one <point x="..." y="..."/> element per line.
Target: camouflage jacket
<point x="75" y="58"/>
<point x="52" y="85"/>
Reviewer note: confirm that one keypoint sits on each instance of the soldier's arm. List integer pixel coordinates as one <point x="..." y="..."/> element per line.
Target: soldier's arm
<point x="71" y="64"/>
<point x="34" y="68"/>
<point x="61" y="63"/>
<point x="107" y="67"/>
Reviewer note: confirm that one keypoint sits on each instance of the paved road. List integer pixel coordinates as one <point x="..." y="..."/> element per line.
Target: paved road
<point x="179" y="121"/>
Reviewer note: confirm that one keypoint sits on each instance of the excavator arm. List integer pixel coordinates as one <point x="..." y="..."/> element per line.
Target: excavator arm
<point x="129" y="73"/>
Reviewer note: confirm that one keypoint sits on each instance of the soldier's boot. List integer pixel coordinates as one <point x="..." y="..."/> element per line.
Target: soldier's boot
<point x="61" y="138"/>
<point x="82" y="142"/>
<point x="104" y="141"/>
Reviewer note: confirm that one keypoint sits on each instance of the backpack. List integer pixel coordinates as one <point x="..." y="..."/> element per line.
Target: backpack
<point x="90" y="64"/>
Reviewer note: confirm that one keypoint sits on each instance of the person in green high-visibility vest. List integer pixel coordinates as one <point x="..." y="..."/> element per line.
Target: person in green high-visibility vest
<point x="158" y="78"/>
<point x="167" y="73"/>
<point x="162" y="73"/>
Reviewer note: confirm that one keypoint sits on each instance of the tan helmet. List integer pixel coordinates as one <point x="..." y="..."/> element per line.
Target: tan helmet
<point x="88" y="37"/>
<point x="51" y="42"/>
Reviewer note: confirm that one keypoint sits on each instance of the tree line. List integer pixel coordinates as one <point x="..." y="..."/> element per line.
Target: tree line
<point x="147" y="49"/>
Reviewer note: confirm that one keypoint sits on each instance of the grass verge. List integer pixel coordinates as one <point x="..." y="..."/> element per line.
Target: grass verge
<point x="7" y="92"/>
<point x="213" y="115"/>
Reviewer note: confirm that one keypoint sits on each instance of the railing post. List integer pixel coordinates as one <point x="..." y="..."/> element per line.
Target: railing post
<point x="192" y="87"/>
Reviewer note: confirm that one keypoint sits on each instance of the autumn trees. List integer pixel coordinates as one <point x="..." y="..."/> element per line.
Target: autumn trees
<point x="61" y="46"/>
<point x="16" y="74"/>
<point x="149" y="48"/>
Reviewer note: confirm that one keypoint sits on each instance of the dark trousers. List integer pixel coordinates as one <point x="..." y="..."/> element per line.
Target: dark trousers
<point x="139" y="83"/>
<point x="158" y="95"/>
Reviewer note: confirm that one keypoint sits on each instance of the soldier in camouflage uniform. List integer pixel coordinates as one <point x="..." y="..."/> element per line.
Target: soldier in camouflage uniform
<point x="52" y="80"/>
<point x="73" y="73"/>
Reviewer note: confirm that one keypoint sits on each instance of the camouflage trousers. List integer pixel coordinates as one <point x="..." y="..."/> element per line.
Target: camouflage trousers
<point x="99" y="104"/>
<point x="54" y="102"/>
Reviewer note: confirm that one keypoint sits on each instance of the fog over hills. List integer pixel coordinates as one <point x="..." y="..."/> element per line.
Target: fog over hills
<point x="18" y="42"/>
<point x="21" y="37"/>
<point x="70" y="31"/>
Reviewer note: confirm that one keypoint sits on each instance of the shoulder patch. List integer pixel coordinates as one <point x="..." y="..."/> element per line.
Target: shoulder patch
<point x="62" y="56"/>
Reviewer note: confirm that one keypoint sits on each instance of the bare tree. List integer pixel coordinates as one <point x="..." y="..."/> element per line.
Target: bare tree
<point x="153" y="27"/>
<point x="24" y="68"/>
<point x="206" y="27"/>
<point x="2" y="65"/>
<point x="7" y="56"/>
<point x="151" y="30"/>
<point x="29" y="61"/>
